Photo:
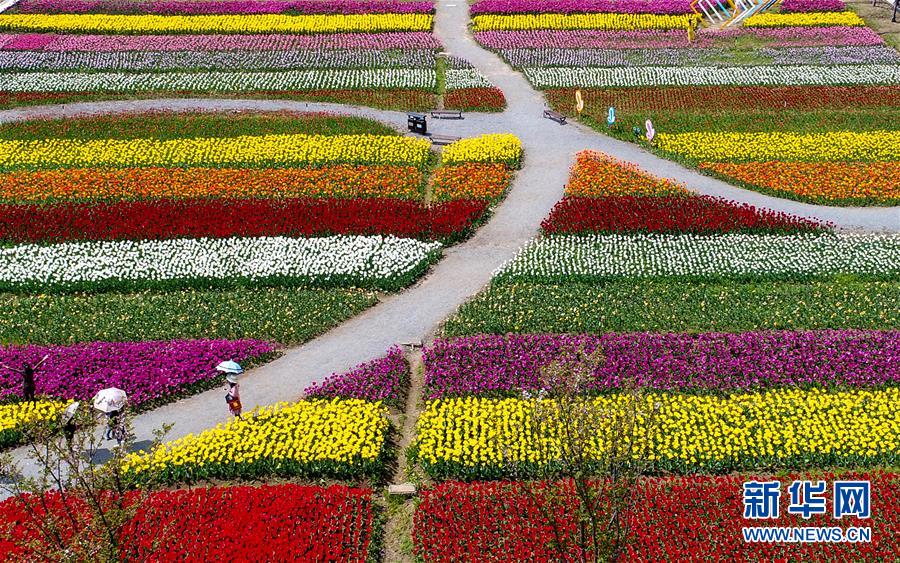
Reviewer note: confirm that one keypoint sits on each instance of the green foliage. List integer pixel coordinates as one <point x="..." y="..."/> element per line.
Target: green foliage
<point x="653" y="305"/>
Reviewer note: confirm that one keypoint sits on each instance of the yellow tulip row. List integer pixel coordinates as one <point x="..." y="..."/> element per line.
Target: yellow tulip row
<point x="810" y="19"/>
<point x="875" y="146"/>
<point x="497" y="147"/>
<point x="257" y="23"/>
<point x="292" y="150"/>
<point x="14" y="415"/>
<point x="336" y="431"/>
<point x="689" y="431"/>
<point x="603" y="21"/>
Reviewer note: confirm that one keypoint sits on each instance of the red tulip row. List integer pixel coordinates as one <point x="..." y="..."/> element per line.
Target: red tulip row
<point x="667" y="214"/>
<point x="475" y="99"/>
<point x="163" y="219"/>
<point x="674" y="519"/>
<point x="267" y="523"/>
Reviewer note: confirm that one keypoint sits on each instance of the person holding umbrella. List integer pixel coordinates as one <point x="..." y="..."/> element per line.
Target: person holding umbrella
<point x="112" y="402"/>
<point x="232" y="389"/>
<point x="68" y="423"/>
<point x="28" y="386"/>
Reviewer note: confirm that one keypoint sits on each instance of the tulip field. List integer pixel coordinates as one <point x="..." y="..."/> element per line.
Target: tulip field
<point x="139" y="251"/>
<point x="375" y="52"/>
<point x="766" y="344"/>
<point x="799" y="101"/>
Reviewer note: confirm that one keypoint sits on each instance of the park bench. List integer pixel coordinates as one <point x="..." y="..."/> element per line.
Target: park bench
<point x="555" y="116"/>
<point x="443" y="139"/>
<point x="446" y="114"/>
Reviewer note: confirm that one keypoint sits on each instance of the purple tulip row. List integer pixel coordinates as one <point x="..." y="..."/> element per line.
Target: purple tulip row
<point x="145" y="370"/>
<point x="656" y="39"/>
<point x="813" y="6"/>
<point x="274" y="42"/>
<point x="384" y="379"/>
<point x="202" y="7"/>
<point x="489" y="364"/>
<point x="581" y="6"/>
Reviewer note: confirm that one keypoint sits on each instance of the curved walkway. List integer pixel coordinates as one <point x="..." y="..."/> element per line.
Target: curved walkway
<point x="415" y="314"/>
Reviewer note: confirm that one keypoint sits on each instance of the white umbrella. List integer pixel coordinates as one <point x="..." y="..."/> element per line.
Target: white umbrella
<point x="109" y="400"/>
<point x="230" y="367"/>
<point x="70" y="411"/>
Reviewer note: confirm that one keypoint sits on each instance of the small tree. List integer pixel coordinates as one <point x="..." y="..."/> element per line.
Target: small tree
<point x="75" y="500"/>
<point x="602" y="444"/>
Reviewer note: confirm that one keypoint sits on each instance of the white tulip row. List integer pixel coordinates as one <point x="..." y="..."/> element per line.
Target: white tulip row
<point x="458" y="79"/>
<point x="587" y="77"/>
<point x="219" y="81"/>
<point x="651" y="255"/>
<point x="366" y="259"/>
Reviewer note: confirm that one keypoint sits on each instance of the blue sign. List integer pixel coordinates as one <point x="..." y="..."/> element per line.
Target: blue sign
<point x="611" y="116"/>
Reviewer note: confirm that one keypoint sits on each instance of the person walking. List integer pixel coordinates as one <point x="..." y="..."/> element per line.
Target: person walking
<point x="233" y="395"/>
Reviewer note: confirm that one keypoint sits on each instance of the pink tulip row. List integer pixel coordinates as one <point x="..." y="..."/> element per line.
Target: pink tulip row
<point x="581" y="6"/>
<point x="168" y="7"/>
<point x="274" y="42"/>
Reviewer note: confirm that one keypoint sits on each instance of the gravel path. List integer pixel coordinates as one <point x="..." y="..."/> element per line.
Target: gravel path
<point x="415" y="314"/>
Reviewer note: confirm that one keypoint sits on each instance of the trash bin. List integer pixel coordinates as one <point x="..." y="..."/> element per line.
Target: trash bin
<point x="415" y="122"/>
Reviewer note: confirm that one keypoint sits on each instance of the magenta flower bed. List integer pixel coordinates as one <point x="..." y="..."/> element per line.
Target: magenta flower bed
<point x="169" y="7"/>
<point x="813" y="6"/>
<point x="384" y="379"/>
<point x="145" y="370"/>
<point x="654" y="39"/>
<point x="274" y="42"/>
<point x="581" y="6"/>
<point x="489" y="364"/>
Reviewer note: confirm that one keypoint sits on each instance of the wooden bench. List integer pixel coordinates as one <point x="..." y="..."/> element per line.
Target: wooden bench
<point x="555" y="116"/>
<point x="446" y="114"/>
<point x="443" y="139"/>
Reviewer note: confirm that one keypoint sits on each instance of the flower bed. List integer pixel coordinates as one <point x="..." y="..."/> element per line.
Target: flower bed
<point x="811" y="19"/>
<point x="14" y="415"/>
<point x="729" y="255"/>
<point x="705" y="362"/>
<point x="599" y="21"/>
<point x="342" y="438"/>
<point x="663" y="306"/>
<point x="497" y="148"/>
<point x="54" y="42"/>
<point x="665" y="214"/>
<point x="867" y="146"/>
<point x="221" y="81"/>
<point x="288" y="315"/>
<point x="475" y="99"/>
<point x="673" y="519"/>
<point x="384" y="379"/>
<point x="474" y="438"/>
<point x="211" y="218"/>
<point x="566" y="77"/>
<point x="581" y="6"/>
<point x="378" y="262"/>
<point x="117" y="184"/>
<point x="250" y="151"/>
<point x="830" y="183"/>
<point x="287" y="521"/>
<point x="471" y="180"/>
<point x="667" y="39"/>
<point x="147" y="371"/>
<point x="213" y="7"/>
<point x="788" y="6"/>
<point x="146" y="61"/>
<point x="240" y="24"/>
<point x="731" y="99"/>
